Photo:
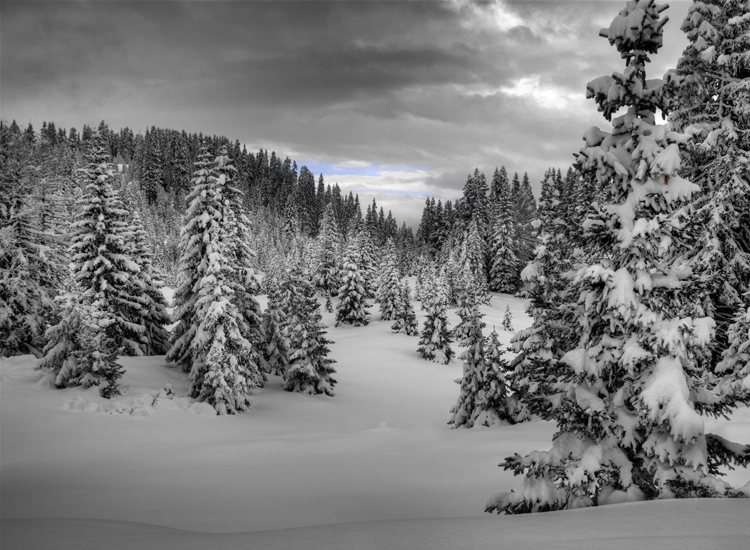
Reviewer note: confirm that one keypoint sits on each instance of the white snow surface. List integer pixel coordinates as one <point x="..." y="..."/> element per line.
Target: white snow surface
<point x="376" y="466"/>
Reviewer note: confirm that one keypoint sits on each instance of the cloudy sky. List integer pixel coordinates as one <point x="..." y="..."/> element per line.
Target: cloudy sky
<point x="396" y="100"/>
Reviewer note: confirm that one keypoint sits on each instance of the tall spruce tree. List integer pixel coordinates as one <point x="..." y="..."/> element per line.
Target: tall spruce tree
<point x="504" y="269"/>
<point x="102" y="312"/>
<point x="482" y="399"/>
<point x="367" y="261"/>
<point x="29" y="264"/>
<point x="223" y="372"/>
<point x="79" y="350"/>
<point x="711" y="85"/>
<point x="101" y="251"/>
<point x="474" y="250"/>
<point x="275" y="328"/>
<point x="406" y="319"/>
<point x="245" y="283"/>
<point x="352" y="308"/>
<point x="310" y="368"/>
<point x="211" y="340"/>
<point x="388" y="283"/>
<point x="154" y="316"/>
<point x="327" y="277"/>
<point x="465" y="327"/>
<point x="627" y="374"/>
<point x="435" y="339"/>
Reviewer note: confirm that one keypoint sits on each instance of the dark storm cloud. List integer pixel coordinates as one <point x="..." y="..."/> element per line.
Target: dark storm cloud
<point x="442" y="86"/>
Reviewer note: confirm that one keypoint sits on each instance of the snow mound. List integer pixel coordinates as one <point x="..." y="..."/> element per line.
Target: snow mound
<point x="140" y="405"/>
<point x="79" y="404"/>
<point x="202" y="408"/>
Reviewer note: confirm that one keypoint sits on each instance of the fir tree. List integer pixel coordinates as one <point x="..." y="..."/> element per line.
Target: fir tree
<point x="223" y="373"/>
<point x="327" y="276"/>
<point x="474" y="250"/>
<point x="507" y="320"/>
<point x="710" y="99"/>
<point x="453" y="281"/>
<point x="352" y="308"/>
<point x="406" y="319"/>
<point x="626" y="372"/>
<point x="215" y="341"/>
<point x="152" y="175"/>
<point x="734" y="369"/>
<point x="275" y="329"/>
<point x="482" y="399"/>
<point x="526" y="213"/>
<point x="154" y="314"/>
<point x="435" y="340"/>
<point x="466" y="313"/>
<point x="367" y="261"/>
<point x="244" y="259"/>
<point x="469" y="335"/>
<point x="388" y="285"/>
<point x="100" y="251"/>
<point x="503" y="260"/>
<point x="310" y="369"/>
<point x="422" y="272"/>
<point x="79" y="351"/>
<point x="29" y="265"/>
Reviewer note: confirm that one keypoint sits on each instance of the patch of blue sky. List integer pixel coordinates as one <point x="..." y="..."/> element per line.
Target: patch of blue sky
<point x="413" y="193"/>
<point x="346" y="169"/>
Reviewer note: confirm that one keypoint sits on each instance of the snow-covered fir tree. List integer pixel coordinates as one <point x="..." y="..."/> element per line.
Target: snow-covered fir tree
<point x="508" y="319"/>
<point x="104" y="302"/>
<point x="275" y="329"/>
<point x="211" y="340"/>
<point x="482" y="399"/>
<point x="473" y="251"/>
<point x="526" y="213"/>
<point x="630" y="380"/>
<point x="406" y="318"/>
<point x="154" y="315"/>
<point x="453" y="280"/>
<point x="310" y="368"/>
<point x="79" y="351"/>
<point x="503" y="260"/>
<point x="551" y="303"/>
<point x="734" y="369"/>
<point x="244" y="258"/>
<point x="367" y="261"/>
<point x="223" y="373"/>
<point x="711" y="85"/>
<point x="466" y="308"/>
<point x="422" y="272"/>
<point x="388" y="283"/>
<point x="327" y="276"/>
<point x="352" y="308"/>
<point x="435" y="339"/>
<point x="101" y="252"/>
<point x="30" y="267"/>
<point x="468" y="334"/>
<point x="472" y="283"/>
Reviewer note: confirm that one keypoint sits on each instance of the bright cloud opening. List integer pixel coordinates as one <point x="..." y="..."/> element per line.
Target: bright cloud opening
<point x="494" y="14"/>
<point x="544" y="95"/>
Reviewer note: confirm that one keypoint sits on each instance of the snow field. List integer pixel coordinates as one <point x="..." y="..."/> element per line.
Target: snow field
<point x="380" y="450"/>
<point x="667" y="525"/>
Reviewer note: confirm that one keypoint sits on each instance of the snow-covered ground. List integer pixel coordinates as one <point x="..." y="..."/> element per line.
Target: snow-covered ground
<point x="376" y="466"/>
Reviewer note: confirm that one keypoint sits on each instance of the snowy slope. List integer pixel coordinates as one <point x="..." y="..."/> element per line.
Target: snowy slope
<point x="378" y="450"/>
